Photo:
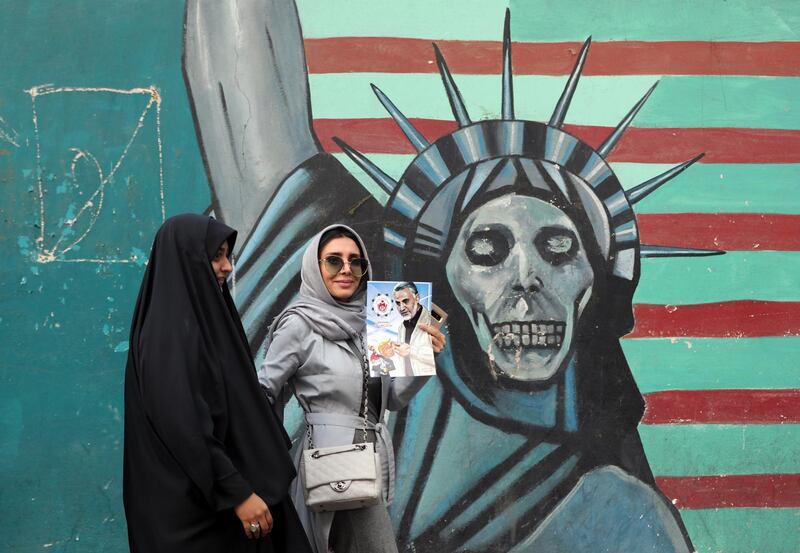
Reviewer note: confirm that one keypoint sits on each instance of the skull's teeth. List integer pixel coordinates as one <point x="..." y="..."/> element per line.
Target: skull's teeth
<point x="546" y="334"/>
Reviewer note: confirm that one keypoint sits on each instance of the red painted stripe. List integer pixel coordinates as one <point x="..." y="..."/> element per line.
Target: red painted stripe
<point x="730" y="319"/>
<point x="722" y="407"/>
<point x="725" y="231"/>
<point x="774" y="491"/>
<point x="639" y="145"/>
<point x="413" y="55"/>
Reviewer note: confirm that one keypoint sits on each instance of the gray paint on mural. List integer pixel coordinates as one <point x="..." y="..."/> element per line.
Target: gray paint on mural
<point x="596" y="504"/>
<point x="250" y="103"/>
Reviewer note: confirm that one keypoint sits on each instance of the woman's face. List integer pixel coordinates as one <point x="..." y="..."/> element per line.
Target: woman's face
<point x="343" y="284"/>
<point x="221" y="264"/>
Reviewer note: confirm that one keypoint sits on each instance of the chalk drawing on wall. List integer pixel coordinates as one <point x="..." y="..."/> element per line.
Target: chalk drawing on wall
<point x="90" y="176"/>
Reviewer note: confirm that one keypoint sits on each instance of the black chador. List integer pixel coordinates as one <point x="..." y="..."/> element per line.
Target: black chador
<point x="200" y="436"/>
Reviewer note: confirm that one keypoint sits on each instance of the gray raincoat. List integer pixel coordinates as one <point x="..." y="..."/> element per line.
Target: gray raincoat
<point x="310" y="354"/>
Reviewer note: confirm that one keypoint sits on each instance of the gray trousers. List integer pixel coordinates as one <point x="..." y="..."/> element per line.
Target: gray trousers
<point x="367" y="530"/>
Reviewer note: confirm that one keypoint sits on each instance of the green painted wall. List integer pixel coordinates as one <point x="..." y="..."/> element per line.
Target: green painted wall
<point x="64" y="326"/>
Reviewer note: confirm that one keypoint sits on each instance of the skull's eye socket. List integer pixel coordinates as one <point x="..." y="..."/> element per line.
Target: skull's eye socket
<point x="556" y="245"/>
<point x="488" y="246"/>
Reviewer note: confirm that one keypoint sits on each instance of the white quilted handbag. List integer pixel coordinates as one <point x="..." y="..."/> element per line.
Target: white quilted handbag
<point x="346" y="476"/>
<point x="341" y="477"/>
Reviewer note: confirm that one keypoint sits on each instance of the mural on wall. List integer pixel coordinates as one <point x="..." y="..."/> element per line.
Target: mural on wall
<point x="520" y="193"/>
<point x="533" y="248"/>
<point x="533" y="241"/>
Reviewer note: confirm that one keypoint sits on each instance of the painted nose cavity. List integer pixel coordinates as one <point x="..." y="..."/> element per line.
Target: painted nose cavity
<point x="527" y="277"/>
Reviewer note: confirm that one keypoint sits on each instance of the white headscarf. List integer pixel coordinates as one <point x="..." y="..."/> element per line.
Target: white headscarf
<point x="329" y="317"/>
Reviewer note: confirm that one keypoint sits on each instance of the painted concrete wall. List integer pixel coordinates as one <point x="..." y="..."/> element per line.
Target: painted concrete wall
<point x="98" y="144"/>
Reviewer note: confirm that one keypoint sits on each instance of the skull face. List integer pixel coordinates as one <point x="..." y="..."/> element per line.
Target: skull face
<point x="521" y="273"/>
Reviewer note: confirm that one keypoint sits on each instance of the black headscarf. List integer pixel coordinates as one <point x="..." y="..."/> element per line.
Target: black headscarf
<point x="200" y="436"/>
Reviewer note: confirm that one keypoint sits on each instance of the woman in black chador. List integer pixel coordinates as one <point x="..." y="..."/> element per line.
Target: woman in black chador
<point x="206" y="464"/>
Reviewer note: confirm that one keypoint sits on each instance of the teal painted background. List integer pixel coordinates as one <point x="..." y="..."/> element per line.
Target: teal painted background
<point x="64" y="325"/>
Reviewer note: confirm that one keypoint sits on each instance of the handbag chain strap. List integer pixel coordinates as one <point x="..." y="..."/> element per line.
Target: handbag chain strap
<point x="365" y="390"/>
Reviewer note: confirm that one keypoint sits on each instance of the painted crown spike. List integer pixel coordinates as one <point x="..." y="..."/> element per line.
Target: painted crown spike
<point x="671" y="251"/>
<point x="562" y="106"/>
<point x="387" y="183"/>
<point x="453" y="95"/>
<point x="609" y="143"/>
<point x="508" y="85"/>
<point x="641" y="191"/>
<point x="462" y="165"/>
<point x="414" y="136"/>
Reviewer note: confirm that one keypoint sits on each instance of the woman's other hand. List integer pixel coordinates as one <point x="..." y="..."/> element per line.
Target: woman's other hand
<point x="255" y="516"/>
<point x="437" y="338"/>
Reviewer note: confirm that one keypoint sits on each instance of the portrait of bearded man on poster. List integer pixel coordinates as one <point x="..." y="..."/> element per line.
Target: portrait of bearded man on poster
<point x="414" y="345"/>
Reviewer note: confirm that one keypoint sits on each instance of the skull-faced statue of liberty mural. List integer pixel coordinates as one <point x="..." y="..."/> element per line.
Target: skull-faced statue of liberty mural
<point x="528" y="439"/>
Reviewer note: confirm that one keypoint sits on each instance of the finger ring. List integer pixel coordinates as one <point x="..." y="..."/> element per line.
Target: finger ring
<point x="255" y="527"/>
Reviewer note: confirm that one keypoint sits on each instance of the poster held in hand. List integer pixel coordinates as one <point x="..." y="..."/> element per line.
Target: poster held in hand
<point x="396" y="344"/>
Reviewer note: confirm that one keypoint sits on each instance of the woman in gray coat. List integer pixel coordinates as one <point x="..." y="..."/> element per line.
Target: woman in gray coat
<point x="311" y="353"/>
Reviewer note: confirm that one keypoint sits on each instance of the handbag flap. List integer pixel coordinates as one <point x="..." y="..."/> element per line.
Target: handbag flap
<point x="339" y="463"/>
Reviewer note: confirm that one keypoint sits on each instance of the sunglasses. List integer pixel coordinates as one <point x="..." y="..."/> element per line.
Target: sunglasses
<point x="334" y="264"/>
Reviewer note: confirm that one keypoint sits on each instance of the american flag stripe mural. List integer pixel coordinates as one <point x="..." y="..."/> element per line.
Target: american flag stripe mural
<point x="716" y="341"/>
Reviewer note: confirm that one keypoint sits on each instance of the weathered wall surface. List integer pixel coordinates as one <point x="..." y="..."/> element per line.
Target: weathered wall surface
<point x="98" y="145"/>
